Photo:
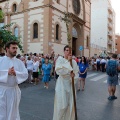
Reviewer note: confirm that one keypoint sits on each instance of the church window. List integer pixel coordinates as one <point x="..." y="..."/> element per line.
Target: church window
<point x="87" y="42"/>
<point x="14" y="7"/>
<point x="57" y="32"/>
<point x="16" y="31"/>
<point x="76" y="6"/>
<point x="35" y="30"/>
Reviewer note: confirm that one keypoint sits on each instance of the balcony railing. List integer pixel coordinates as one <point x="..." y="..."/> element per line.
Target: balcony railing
<point x="110" y="34"/>
<point x="110" y="26"/>
<point x="109" y="42"/>
<point x="110" y="10"/>
<point x="110" y="17"/>
<point x="110" y="51"/>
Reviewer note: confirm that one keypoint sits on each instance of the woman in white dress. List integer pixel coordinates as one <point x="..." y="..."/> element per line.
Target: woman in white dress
<point x="29" y="64"/>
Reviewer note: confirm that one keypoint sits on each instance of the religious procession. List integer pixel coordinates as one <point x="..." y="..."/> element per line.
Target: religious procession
<point x="67" y="71"/>
<point x="59" y="60"/>
<point x="17" y="69"/>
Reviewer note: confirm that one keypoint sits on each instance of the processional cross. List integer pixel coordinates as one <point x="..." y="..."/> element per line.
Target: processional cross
<point x="67" y="20"/>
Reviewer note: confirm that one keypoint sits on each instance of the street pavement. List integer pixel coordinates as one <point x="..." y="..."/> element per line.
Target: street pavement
<point x="92" y="104"/>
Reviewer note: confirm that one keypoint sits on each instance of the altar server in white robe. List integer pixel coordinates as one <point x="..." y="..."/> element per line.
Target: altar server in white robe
<point x="12" y="73"/>
<point x="63" y="103"/>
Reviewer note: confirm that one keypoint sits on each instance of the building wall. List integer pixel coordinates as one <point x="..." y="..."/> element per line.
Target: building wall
<point x="19" y="22"/>
<point x="95" y="51"/>
<point x="87" y="28"/>
<point x="101" y="33"/>
<point x="99" y="23"/>
<point x="56" y="13"/>
<point x="117" y="44"/>
<point x="114" y="35"/>
<point x="35" y="16"/>
<point x="46" y="13"/>
<point x="111" y="37"/>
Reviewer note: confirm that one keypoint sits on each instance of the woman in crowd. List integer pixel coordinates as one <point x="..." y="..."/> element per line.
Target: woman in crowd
<point x="51" y="61"/>
<point x="46" y="71"/>
<point x="29" y="65"/>
<point x="83" y="66"/>
<point x="22" y="58"/>
<point x="35" y="70"/>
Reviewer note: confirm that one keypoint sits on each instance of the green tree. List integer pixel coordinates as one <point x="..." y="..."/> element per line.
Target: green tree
<point x="6" y="35"/>
<point x="1" y="15"/>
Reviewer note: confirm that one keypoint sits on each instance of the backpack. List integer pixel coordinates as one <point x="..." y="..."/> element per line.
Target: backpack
<point x="111" y="69"/>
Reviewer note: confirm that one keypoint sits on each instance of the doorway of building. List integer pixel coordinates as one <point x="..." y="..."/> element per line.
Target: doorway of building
<point x="74" y="40"/>
<point x="74" y="45"/>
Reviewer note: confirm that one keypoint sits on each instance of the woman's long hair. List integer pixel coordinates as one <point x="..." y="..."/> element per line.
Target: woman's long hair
<point x="85" y="62"/>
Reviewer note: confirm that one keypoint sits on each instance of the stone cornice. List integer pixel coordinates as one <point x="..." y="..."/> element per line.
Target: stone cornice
<point x="26" y="10"/>
<point x="88" y="1"/>
<point x="76" y="18"/>
<point x="73" y="16"/>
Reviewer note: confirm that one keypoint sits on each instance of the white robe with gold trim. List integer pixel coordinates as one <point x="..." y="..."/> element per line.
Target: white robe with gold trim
<point x="10" y="93"/>
<point x="63" y="103"/>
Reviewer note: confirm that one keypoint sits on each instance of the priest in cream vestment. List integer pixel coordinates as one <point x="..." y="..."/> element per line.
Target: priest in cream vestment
<point x="63" y="103"/>
<point x="12" y="73"/>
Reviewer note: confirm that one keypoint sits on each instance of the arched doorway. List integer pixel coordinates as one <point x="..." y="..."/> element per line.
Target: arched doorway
<point x="74" y="40"/>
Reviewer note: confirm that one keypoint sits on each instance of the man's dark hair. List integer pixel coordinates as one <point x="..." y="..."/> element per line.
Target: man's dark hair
<point x="18" y="56"/>
<point x="10" y="43"/>
<point x="29" y="58"/>
<point x="108" y="58"/>
<point x="2" y="54"/>
<point x="47" y="58"/>
<point x="35" y="54"/>
<point x="114" y="56"/>
<point x="67" y="46"/>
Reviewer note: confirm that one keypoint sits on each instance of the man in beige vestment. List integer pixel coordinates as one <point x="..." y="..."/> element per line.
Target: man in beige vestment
<point x="63" y="103"/>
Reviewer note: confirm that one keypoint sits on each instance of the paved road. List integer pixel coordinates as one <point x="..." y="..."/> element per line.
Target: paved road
<point x="92" y="104"/>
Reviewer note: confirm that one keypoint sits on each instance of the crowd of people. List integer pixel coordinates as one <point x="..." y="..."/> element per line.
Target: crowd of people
<point x="99" y="63"/>
<point x="15" y="69"/>
<point x="44" y="65"/>
<point x="39" y="64"/>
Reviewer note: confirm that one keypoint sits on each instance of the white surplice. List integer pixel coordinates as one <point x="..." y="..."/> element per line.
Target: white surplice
<point x="10" y="93"/>
<point x="63" y="103"/>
